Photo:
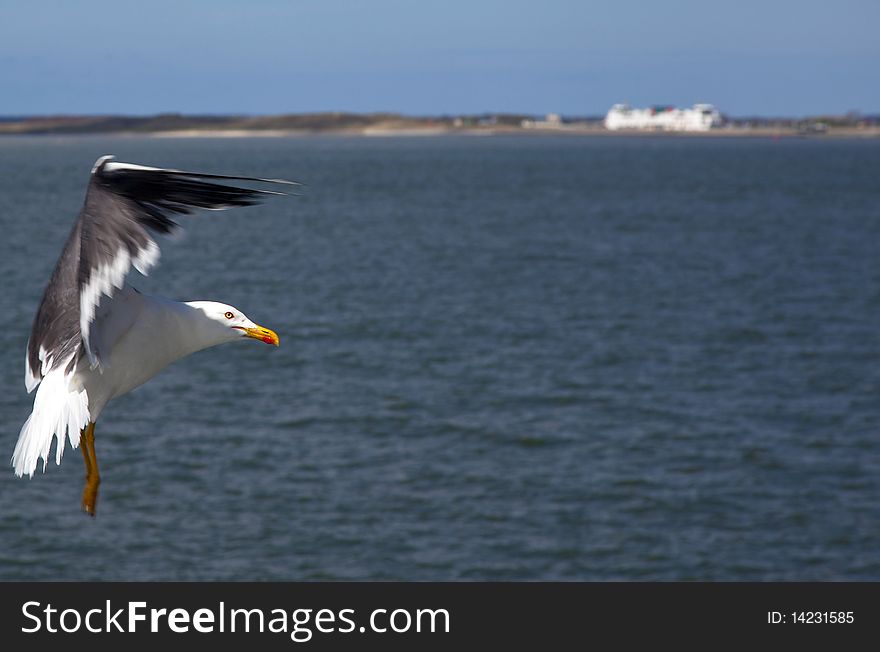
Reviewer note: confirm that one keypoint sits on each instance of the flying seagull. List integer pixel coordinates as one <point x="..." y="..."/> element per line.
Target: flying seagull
<point x="94" y="336"/>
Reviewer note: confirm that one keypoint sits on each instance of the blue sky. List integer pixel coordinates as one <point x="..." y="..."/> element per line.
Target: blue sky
<point x="423" y="57"/>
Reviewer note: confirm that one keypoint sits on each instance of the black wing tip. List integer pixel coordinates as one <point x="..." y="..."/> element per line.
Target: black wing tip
<point x="205" y="175"/>
<point x="100" y="167"/>
<point x="200" y="175"/>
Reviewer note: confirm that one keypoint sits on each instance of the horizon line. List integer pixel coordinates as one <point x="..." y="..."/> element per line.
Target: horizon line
<point x="852" y="113"/>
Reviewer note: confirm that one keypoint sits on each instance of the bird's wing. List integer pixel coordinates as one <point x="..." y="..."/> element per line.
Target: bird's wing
<point x="113" y="318"/>
<point x="125" y="206"/>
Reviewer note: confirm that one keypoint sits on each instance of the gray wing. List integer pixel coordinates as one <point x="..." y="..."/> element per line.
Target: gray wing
<point x="125" y="206"/>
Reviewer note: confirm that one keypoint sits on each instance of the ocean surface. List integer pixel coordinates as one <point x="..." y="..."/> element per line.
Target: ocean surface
<point x="502" y="358"/>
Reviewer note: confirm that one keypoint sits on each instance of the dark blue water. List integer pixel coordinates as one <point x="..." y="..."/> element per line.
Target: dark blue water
<point x="502" y="358"/>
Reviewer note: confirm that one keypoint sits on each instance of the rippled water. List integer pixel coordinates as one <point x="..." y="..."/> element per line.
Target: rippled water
<point x="502" y="358"/>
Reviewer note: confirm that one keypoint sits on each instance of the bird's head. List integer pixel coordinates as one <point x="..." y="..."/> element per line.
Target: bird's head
<point x="228" y="323"/>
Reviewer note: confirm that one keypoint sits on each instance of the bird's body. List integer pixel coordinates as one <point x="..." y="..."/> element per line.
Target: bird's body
<point x="168" y="330"/>
<point x="158" y="326"/>
<point x="95" y="337"/>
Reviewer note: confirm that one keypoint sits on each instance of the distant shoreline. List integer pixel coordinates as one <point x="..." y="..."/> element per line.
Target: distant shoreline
<point x="387" y="124"/>
<point x="849" y="134"/>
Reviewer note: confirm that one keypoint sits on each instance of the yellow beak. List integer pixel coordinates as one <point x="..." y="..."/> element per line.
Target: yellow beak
<point x="263" y="334"/>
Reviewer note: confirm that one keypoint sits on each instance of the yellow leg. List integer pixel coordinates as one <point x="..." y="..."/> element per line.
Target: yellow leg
<point x="93" y="478"/>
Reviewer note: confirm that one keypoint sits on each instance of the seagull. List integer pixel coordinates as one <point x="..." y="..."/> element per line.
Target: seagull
<point x="95" y="337"/>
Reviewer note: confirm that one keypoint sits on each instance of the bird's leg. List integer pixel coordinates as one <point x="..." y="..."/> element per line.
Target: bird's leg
<point x="93" y="479"/>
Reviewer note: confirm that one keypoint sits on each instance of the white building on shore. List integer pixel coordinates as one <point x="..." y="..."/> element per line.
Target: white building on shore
<point x="700" y="117"/>
<point x="551" y="121"/>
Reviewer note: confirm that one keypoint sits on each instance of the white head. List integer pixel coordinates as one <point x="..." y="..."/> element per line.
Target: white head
<point x="226" y="324"/>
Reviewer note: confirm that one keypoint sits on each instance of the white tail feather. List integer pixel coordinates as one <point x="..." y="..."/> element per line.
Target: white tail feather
<point x="57" y="410"/>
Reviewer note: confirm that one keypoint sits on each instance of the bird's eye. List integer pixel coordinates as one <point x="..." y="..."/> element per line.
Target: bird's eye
<point x="228" y="315"/>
